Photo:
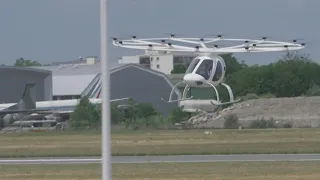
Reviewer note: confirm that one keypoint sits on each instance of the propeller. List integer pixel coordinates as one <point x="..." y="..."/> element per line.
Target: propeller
<point x="218" y="35"/>
<point x="219" y="46"/>
<point x="295" y="40"/>
<point x="113" y="38"/>
<point x="170" y="34"/>
<point x="265" y="37"/>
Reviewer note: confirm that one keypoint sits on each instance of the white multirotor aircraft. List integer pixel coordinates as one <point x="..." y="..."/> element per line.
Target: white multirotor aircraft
<point x="208" y="68"/>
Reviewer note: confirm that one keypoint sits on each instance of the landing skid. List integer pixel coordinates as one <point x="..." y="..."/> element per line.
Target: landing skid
<point x="178" y="100"/>
<point x="216" y="103"/>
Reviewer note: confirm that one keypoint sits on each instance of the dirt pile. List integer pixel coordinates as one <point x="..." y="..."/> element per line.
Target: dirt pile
<point x="298" y="111"/>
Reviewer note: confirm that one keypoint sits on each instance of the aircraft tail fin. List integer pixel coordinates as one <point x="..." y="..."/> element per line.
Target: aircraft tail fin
<point x="26" y="98"/>
<point x="26" y="101"/>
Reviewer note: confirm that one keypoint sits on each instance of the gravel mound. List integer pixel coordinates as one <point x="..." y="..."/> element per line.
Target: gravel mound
<point x="298" y="111"/>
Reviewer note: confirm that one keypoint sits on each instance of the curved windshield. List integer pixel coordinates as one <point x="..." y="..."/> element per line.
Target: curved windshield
<point x="218" y="72"/>
<point x="205" y="68"/>
<point x="192" y="65"/>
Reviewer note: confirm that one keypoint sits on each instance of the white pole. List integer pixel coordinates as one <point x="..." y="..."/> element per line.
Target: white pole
<point x="105" y="120"/>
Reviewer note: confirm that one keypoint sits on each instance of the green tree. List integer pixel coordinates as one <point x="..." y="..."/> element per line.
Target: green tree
<point x="117" y="114"/>
<point x="86" y="115"/>
<point x="232" y="64"/>
<point x="26" y="62"/>
<point x="291" y="76"/>
<point x="139" y="115"/>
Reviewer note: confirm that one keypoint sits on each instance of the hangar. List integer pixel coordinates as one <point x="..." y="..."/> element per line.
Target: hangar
<point x="143" y="85"/>
<point x="13" y="80"/>
<point x="72" y="81"/>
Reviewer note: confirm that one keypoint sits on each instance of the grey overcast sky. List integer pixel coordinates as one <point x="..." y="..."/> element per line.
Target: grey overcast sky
<point x="62" y="30"/>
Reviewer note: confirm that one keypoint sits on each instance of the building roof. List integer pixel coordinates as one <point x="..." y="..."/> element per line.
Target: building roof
<point x="84" y="79"/>
<point x="72" y="79"/>
<point x="26" y="69"/>
<point x="73" y="69"/>
<point x="71" y="85"/>
<point x="158" y="73"/>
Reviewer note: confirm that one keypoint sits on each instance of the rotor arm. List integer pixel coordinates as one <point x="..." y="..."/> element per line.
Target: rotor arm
<point x="213" y="40"/>
<point x="156" y="48"/>
<point x="185" y="41"/>
<point x="246" y="44"/>
<point x="177" y="47"/>
<point x="256" y="49"/>
<point x="145" y="42"/>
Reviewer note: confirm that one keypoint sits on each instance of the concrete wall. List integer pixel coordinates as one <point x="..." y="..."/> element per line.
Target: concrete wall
<point x="142" y="86"/>
<point x="13" y="80"/>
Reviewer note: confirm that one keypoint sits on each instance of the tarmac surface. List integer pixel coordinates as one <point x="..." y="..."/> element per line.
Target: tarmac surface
<point x="161" y="159"/>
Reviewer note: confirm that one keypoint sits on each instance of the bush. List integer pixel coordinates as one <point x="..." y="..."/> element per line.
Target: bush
<point x="287" y="125"/>
<point x="178" y="115"/>
<point x="231" y="122"/>
<point x="314" y="90"/>
<point x="133" y="116"/>
<point x="117" y="114"/>
<point x="249" y="96"/>
<point x="142" y="116"/>
<point x="262" y="124"/>
<point x="86" y="115"/>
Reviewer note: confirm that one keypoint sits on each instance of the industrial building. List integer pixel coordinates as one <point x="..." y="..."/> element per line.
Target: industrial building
<point x="13" y="81"/>
<point x="159" y="62"/>
<point x="144" y="85"/>
<point x="72" y="81"/>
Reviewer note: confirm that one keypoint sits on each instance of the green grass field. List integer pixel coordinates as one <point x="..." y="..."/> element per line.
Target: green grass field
<point x="162" y="142"/>
<point x="168" y="171"/>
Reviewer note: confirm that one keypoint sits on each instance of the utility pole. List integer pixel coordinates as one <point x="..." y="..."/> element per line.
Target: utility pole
<point x="105" y="82"/>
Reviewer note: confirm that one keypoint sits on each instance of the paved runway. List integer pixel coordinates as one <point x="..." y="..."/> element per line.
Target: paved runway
<point x="159" y="159"/>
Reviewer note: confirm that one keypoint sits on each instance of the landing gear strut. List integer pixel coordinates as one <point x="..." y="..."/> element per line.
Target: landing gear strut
<point x="216" y="102"/>
<point x="231" y="98"/>
<point x="184" y="94"/>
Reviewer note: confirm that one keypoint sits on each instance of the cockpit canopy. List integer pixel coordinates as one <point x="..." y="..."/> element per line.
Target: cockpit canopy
<point x="212" y="69"/>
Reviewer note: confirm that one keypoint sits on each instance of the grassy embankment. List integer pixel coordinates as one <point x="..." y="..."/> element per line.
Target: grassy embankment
<point x="162" y="142"/>
<point x="168" y="171"/>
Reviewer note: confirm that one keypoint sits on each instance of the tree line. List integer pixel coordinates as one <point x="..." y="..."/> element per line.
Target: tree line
<point x="134" y="116"/>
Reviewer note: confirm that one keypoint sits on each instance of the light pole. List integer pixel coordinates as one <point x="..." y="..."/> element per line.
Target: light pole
<point x="105" y="82"/>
